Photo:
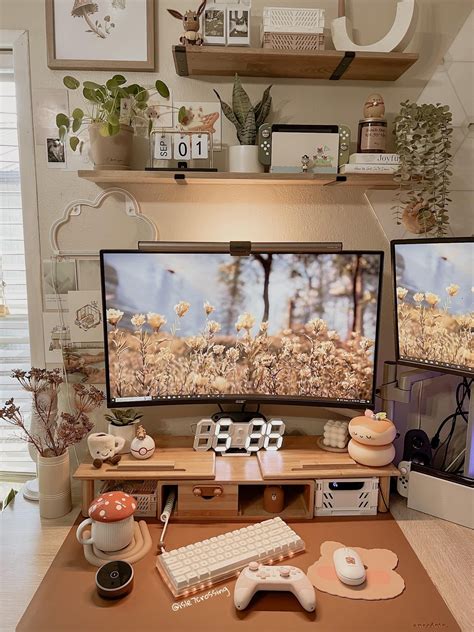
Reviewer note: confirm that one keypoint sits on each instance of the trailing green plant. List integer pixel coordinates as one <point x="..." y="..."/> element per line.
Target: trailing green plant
<point x="246" y="117"/>
<point x="104" y="106"/>
<point x="123" y="417"/>
<point x="423" y="141"/>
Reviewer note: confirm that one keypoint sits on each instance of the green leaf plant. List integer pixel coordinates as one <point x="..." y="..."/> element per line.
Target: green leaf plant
<point x="120" y="417"/>
<point x="423" y="140"/>
<point x="246" y="117"/>
<point x="103" y="107"/>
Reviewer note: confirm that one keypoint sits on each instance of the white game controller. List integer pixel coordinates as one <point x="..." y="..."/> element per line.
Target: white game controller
<point x="257" y="577"/>
<point x="402" y="480"/>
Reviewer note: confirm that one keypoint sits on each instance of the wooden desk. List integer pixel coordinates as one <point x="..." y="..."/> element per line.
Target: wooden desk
<point x="29" y="544"/>
<point x="297" y="465"/>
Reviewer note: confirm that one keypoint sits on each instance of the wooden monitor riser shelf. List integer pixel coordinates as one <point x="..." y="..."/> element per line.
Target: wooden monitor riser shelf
<point x="239" y="480"/>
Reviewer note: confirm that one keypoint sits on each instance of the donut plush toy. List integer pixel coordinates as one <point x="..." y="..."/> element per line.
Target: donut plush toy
<point x="372" y="436"/>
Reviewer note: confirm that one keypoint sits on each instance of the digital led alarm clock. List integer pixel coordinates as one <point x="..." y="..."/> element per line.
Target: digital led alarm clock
<point x="227" y="436"/>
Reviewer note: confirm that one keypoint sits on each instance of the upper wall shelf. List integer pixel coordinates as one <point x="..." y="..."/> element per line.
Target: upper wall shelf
<point x="368" y="181"/>
<point x="222" y="61"/>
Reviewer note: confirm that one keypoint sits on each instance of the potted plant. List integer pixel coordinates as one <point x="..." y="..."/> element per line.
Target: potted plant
<point x="247" y="118"/>
<point x="113" y="110"/>
<point x="423" y="141"/>
<point x="51" y="434"/>
<point x="122" y="423"/>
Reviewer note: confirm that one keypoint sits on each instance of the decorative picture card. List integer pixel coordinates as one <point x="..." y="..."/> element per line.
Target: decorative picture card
<point x="201" y="116"/>
<point x="56" y="337"/>
<point x="59" y="278"/>
<point x="85" y="316"/>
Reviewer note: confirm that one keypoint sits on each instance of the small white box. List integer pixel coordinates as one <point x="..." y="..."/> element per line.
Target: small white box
<point x="346" y="497"/>
<point x="293" y="20"/>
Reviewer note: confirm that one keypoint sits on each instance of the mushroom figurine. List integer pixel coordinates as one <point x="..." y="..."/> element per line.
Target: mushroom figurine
<point x="143" y="446"/>
<point x="372" y="436"/>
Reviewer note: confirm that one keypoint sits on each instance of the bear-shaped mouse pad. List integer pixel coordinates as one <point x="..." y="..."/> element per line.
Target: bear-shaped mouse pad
<point x="382" y="581"/>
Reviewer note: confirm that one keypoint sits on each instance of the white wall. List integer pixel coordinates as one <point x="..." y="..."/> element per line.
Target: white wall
<point x="276" y="213"/>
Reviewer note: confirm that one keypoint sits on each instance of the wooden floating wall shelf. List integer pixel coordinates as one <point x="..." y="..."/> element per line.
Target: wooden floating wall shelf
<point x="225" y="61"/>
<point x="368" y="181"/>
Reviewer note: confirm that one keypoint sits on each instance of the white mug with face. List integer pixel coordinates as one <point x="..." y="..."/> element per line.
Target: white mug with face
<point x="104" y="446"/>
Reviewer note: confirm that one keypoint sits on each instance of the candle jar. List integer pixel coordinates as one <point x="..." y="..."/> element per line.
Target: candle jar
<point x="372" y="137"/>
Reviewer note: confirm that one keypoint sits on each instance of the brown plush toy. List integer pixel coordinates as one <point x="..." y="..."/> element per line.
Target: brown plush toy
<point x="190" y="19"/>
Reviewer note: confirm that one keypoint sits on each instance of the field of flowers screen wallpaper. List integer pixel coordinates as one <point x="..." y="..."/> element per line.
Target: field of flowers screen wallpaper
<point x="434" y="294"/>
<point x="286" y="326"/>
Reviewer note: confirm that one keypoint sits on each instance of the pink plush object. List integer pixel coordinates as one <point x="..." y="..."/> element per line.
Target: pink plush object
<point x="372" y="429"/>
<point x="382" y="582"/>
<point x="371" y="455"/>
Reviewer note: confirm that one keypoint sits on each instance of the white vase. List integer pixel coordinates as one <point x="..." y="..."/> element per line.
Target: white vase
<point x="244" y="159"/>
<point x="126" y="432"/>
<point x="54" y="483"/>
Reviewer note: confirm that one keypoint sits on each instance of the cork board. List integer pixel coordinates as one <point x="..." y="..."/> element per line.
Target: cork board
<point x="66" y="599"/>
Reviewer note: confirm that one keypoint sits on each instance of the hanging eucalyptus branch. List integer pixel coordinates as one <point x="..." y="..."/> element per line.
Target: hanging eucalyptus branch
<point x="423" y="141"/>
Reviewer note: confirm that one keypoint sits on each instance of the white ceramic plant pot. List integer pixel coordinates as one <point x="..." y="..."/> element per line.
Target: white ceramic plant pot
<point x="126" y="432"/>
<point x="107" y="536"/>
<point x="111" y="152"/>
<point x="54" y="486"/>
<point x="244" y="159"/>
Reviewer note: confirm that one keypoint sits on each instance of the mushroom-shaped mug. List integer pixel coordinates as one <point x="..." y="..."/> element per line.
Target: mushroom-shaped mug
<point x="111" y="521"/>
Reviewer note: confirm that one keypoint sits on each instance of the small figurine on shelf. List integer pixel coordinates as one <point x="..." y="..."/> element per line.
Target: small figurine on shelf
<point x="372" y="436"/>
<point x="304" y="163"/>
<point x="143" y="446"/>
<point x="374" y="106"/>
<point x="191" y="19"/>
<point x="104" y="448"/>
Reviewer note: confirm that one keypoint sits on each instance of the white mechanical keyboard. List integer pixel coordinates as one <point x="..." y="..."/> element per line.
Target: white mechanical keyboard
<point x="200" y="565"/>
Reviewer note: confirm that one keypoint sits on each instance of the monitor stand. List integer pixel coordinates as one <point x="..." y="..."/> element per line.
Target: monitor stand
<point x="238" y="416"/>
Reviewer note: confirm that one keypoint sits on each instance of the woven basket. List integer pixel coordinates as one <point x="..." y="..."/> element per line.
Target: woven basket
<point x="285" y="20"/>
<point x="294" y="41"/>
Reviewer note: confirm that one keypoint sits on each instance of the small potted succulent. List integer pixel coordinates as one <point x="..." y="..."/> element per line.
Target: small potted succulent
<point x="247" y="118"/>
<point x="122" y="423"/>
<point x="423" y="138"/>
<point x="113" y="111"/>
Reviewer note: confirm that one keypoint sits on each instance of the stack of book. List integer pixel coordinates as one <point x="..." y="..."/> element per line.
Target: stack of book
<point x="372" y="163"/>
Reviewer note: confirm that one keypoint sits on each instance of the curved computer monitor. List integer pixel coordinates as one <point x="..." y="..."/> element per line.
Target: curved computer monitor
<point x="433" y="283"/>
<point x="285" y="323"/>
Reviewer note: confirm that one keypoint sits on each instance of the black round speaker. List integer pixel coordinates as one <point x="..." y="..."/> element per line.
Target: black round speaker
<point x="114" y="579"/>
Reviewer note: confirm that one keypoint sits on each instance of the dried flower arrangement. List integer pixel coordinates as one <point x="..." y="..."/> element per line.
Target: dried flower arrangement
<point x="246" y="117"/>
<point x="429" y="331"/>
<point x="310" y="358"/>
<point x="423" y="141"/>
<point x="56" y="436"/>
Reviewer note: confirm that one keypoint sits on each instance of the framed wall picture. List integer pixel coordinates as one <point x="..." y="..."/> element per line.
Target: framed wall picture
<point x="100" y="34"/>
<point x="238" y="25"/>
<point x="214" y="24"/>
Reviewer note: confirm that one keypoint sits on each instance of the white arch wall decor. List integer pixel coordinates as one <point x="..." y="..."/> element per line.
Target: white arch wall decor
<point x="397" y="39"/>
<point x="74" y="209"/>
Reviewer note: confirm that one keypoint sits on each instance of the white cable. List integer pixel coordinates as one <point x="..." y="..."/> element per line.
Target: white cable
<point x="165" y="517"/>
<point x="455" y="459"/>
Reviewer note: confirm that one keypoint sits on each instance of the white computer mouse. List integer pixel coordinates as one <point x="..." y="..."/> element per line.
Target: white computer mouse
<point x="349" y="567"/>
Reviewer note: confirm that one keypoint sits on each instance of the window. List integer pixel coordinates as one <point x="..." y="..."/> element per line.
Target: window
<point x="14" y="335"/>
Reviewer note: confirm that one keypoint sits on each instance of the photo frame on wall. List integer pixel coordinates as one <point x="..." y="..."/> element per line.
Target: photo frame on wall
<point x="100" y="34"/>
<point x="238" y="25"/>
<point x="214" y="24"/>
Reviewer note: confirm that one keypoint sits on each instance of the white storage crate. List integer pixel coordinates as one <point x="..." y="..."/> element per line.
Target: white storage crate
<point x="286" y="20"/>
<point x="336" y="498"/>
<point x="145" y="493"/>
